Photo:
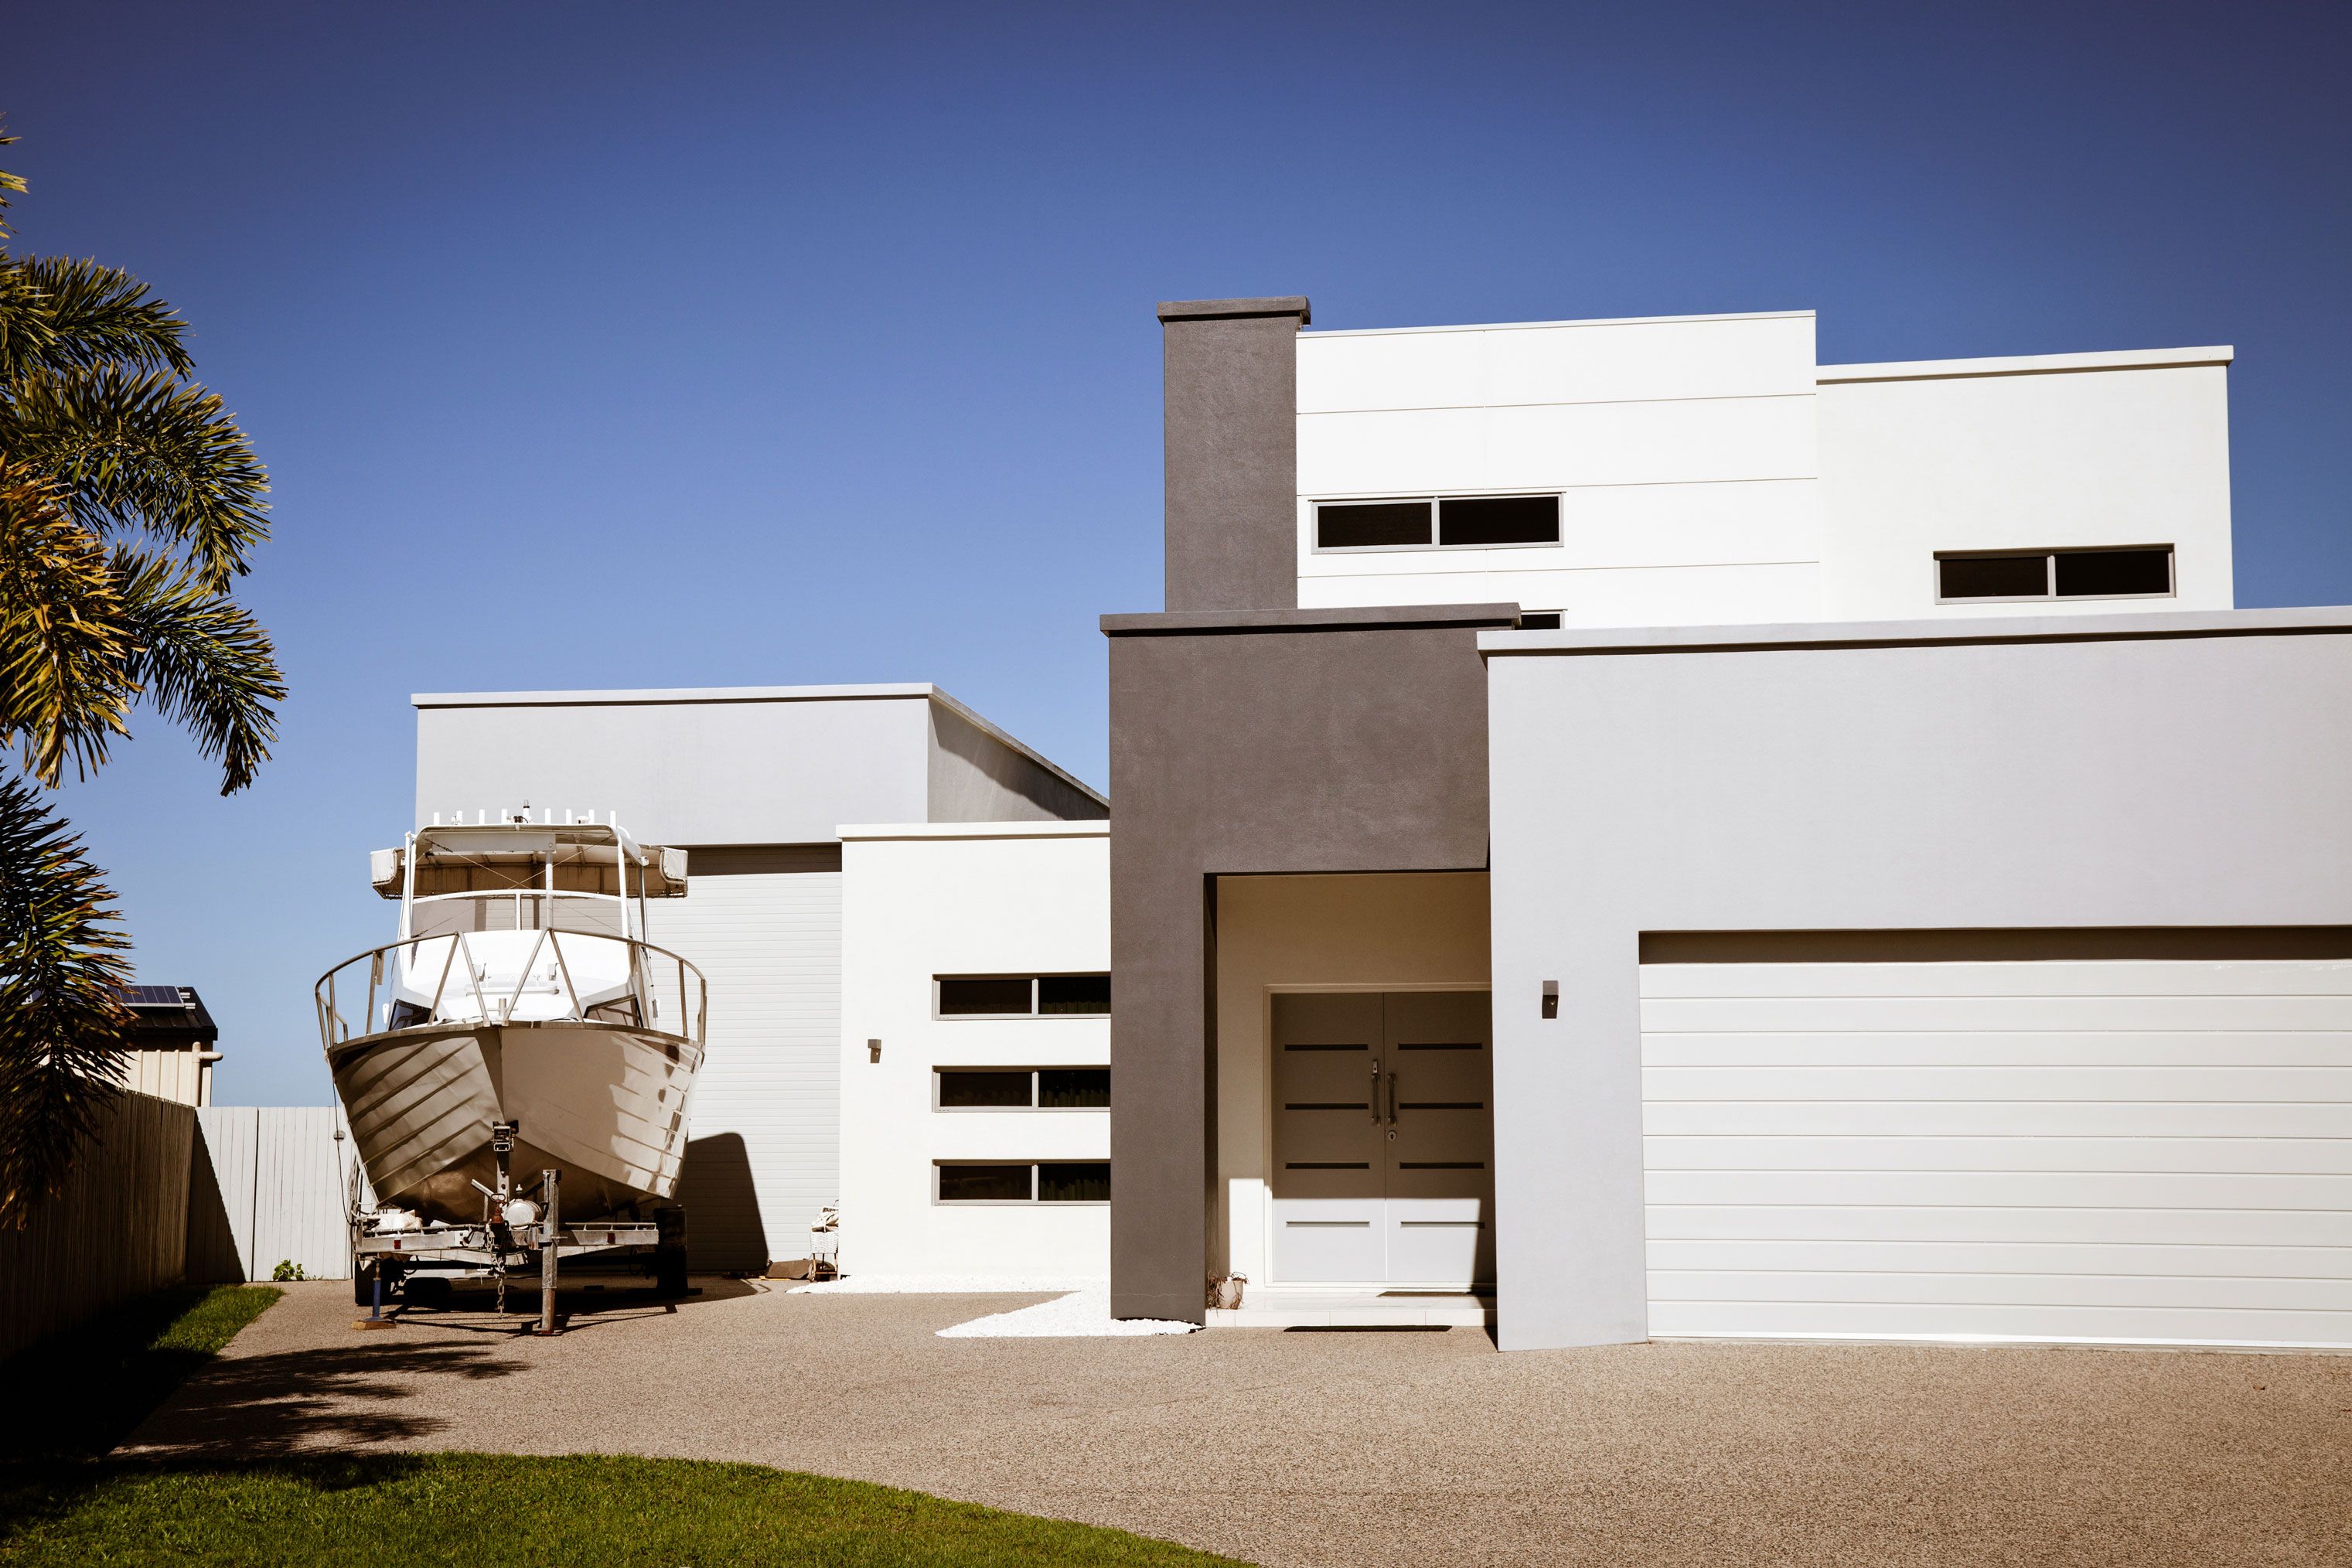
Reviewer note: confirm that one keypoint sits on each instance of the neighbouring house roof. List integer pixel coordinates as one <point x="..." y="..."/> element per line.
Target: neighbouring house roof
<point x="169" y="1018"/>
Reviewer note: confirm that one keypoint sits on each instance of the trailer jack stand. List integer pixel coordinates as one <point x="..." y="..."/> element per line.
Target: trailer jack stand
<point x="550" y="1231"/>
<point x="375" y="1318"/>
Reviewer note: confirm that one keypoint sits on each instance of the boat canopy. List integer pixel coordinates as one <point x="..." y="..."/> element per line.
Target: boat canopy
<point x="499" y="857"/>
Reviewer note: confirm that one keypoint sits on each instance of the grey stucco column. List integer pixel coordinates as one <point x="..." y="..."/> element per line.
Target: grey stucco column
<point x="1231" y="368"/>
<point x="1267" y="742"/>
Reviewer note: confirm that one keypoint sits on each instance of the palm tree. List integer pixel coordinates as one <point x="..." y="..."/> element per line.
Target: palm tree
<point x="129" y="502"/>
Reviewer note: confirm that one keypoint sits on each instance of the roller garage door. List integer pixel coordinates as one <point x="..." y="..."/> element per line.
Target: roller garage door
<point x="2099" y="1150"/>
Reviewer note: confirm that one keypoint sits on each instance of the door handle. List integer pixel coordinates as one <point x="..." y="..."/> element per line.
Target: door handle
<point x="1376" y="1091"/>
<point x="1392" y="1098"/>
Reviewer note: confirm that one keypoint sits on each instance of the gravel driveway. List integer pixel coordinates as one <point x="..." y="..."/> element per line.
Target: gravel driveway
<point x="1358" y="1448"/>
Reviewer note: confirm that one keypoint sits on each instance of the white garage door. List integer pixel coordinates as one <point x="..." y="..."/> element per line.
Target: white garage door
<point x="2116" y="1151"/>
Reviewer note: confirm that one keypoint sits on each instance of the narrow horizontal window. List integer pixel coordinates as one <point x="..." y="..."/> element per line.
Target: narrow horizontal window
<point x="1023" y="996"/>
<point x="985" y="1184"/>
<point x="1027" y="1182"/>
<point x="1372" y="525"/>
<point x="1540" y="620"/>
<point x="1993" y="577"/>
<point x="1498" y="520"/>
<point x="986" y="1089"/>
<point x="1447" y="522"/>
<point x="1073" y="1182"/>
<point x="1073" y="1089"/>
<point x="2138" y="572"/>
<point x="2112" y="573"/>
<point x="1073" y="994"/>
<point x="995" y="995"/>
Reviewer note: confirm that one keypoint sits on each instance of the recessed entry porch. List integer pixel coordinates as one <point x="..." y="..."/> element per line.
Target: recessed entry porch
<point x="1355" y="1116"/>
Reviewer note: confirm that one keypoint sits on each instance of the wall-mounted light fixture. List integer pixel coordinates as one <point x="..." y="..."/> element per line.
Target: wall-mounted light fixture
<point x="1551" y="999"/>
<point x="873" y="1051"/>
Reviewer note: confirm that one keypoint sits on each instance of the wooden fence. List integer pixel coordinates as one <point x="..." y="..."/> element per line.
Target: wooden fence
<point x="120" y="1229"/>
<point x="272" y="1186"/>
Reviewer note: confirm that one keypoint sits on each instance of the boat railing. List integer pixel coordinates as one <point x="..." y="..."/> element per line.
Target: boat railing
<point x="653" y="976"/>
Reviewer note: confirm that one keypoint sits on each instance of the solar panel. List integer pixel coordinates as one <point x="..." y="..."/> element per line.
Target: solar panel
<point x="154" y="996"/>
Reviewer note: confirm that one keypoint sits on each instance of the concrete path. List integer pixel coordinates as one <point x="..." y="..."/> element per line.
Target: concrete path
<point x="1359" y="1448"/>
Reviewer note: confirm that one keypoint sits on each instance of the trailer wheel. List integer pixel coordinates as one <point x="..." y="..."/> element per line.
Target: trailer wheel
<point x="364" y="1284"/>
<point x="669" y="1271"/>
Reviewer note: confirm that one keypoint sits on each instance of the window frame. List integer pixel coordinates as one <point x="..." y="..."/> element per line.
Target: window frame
<point x="1036" y="1182"/>
<point x="1437" y="521"/>
<point x="1036" y="1089"/>
<point x="938" y="1016"/>
<point x="2050" y="574"/>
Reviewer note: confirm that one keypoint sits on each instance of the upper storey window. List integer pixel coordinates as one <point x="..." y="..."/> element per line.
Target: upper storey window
<point x="2138" y="572"/>
<point x="1437" y="522"/>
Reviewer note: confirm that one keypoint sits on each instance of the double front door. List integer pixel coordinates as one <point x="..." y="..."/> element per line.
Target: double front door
<point x="1384" y="1138"/>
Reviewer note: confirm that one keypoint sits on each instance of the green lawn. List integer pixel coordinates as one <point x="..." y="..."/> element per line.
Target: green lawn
<point x="72" y="1398"/>
<point x="476" y="1509"/>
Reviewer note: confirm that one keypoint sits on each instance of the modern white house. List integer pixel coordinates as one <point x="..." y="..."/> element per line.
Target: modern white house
<point x="1912" y="901"/>
<point x="1620" y="830"/>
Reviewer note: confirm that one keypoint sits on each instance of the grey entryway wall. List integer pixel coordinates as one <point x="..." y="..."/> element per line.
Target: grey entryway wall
<point x="1269" y="741"/>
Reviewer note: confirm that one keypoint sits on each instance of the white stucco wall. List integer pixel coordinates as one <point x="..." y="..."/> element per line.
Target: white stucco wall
<point x="1683" y="448"/>
<point x="2030" y="454"/>
<point x="1711" y="474"/>
<point x="979" y="898"/>
<point x="1379" y="932"/>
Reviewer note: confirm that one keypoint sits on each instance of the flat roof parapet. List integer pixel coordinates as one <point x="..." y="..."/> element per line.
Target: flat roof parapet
<point x="2325" y="620"/>
<point x="1227" y="309"/>
<point x="1390" y="618"/>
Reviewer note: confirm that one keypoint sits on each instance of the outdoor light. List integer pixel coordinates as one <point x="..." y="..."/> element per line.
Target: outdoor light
<point x="1551" y="999"/>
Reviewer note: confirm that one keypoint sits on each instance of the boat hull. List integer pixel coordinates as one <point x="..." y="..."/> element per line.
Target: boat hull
<point x="603" y="1104"/>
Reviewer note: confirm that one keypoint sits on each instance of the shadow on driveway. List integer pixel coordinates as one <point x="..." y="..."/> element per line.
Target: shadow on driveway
<point x="356" y="1395"/>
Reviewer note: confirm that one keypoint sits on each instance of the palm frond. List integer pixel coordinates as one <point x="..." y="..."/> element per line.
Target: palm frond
<point x="8" y="183"/>
<point x="203" y="662"/>
<point x="65" y="1031"/>
<point x="64" y="686"/>
<point x="27" y="332"/>
<point x="132" y="449"/>
<point x="95" y="316"/>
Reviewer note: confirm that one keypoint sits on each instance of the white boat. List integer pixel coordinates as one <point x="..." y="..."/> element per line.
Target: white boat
<point x="521" y="1021"/>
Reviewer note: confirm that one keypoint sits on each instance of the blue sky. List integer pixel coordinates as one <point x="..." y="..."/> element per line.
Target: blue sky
<point x="627" y="345"/>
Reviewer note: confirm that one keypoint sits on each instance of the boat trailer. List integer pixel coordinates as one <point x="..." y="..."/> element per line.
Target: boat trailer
<point x="513" y="1235"/>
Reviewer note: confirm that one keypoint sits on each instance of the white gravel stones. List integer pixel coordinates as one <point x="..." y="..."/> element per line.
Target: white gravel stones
<point x="1082" y="1314"/>
<point x="947" y="1285"/>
